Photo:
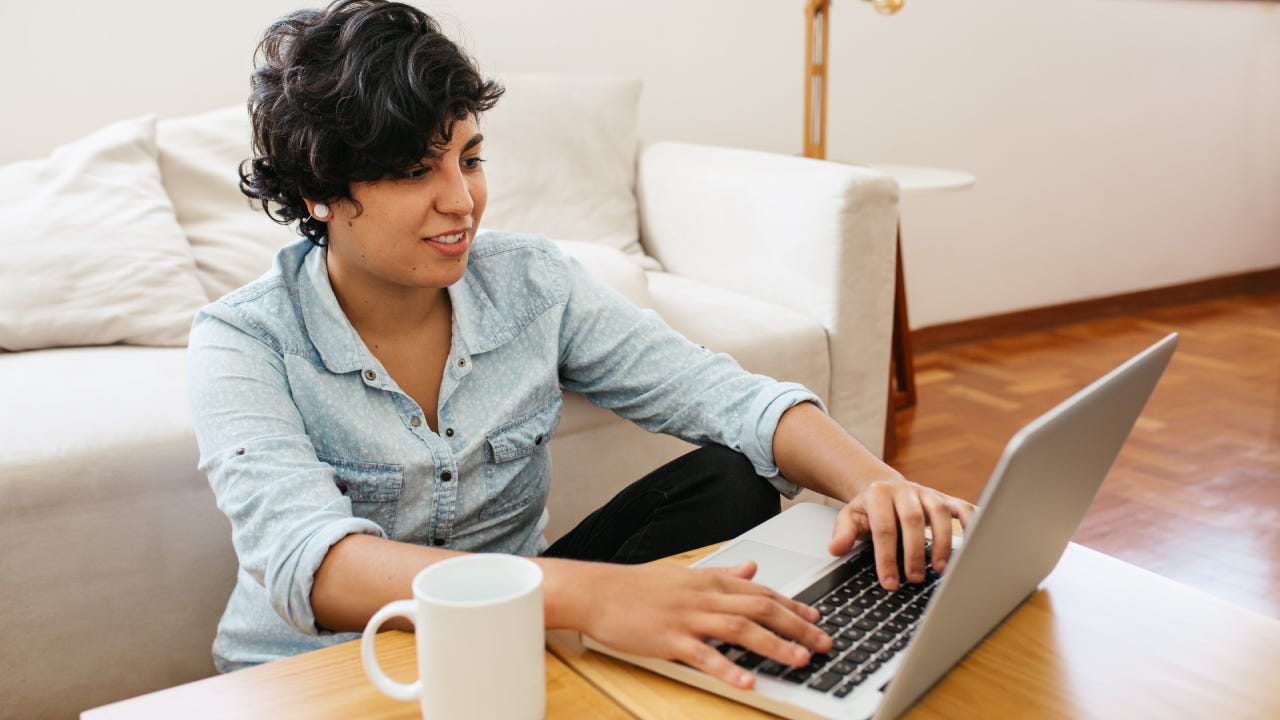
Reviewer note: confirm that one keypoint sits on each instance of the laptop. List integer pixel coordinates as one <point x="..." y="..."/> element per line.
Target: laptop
<point x="893" y="647"/>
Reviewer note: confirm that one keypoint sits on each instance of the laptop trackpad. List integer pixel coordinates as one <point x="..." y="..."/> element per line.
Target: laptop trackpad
<point x="778" y="567"/>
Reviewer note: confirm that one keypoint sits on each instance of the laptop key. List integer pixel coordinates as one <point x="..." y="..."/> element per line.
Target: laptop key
<point x="827" y="681"/>
<point x="844" y="667"/>
<point x="841" y="643"/>
<point x="748" y="660"/>
<point x="850" y="685"/>
<point x="772" y="668"/>
<point x="864" y="579"/>
<point x="818" y="660"/>
<point x="853" y="632"/>
<point x="867" y="624"/>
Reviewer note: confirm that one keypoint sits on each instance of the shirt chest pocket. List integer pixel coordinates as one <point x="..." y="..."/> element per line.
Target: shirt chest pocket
<point x="374" y="489"/>
<point x="517" y="465"/>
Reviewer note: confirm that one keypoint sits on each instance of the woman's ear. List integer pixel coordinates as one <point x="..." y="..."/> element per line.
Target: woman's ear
<point x="318" y="210"/>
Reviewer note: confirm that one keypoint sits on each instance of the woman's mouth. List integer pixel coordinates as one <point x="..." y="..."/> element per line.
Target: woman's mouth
<point x="449" y="239"/>
<point x="452" y="244"/>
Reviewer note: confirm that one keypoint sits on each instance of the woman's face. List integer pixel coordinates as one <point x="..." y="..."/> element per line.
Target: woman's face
<point x="413" y="231"/>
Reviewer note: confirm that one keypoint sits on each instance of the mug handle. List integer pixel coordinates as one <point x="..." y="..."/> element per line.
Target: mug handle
<point x="397" y="690"/>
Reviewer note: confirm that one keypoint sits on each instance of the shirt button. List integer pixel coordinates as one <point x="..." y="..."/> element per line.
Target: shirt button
<point x="437" y="541"/>
<point x="462" y="362"/>
<point x="537" y="440"/>
<point x="415" y="421"/>
<point x="446" y="476"/>
<point x="448" y="432"/>
<point x="370" y="375"/>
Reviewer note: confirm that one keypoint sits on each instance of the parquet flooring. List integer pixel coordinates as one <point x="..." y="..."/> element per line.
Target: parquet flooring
<point x="1195" y="493"/>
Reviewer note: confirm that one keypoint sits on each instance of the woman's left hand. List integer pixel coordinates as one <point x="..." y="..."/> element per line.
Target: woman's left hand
<point x="813" y="450"/>
<point x="892" y="505"/>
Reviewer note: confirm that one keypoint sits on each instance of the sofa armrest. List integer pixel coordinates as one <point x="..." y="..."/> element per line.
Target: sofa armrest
<point x="813" y="236"/>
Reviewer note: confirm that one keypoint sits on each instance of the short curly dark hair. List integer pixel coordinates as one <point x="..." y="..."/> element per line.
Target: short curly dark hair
<point x="359" y="91"/>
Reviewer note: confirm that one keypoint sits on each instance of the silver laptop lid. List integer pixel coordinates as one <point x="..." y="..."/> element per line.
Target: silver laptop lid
<point x="1056" y="464"/>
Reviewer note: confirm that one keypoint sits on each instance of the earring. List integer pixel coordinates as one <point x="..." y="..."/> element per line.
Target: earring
<point x="321" y="211"/>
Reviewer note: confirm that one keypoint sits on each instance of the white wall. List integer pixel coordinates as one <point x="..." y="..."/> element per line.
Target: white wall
<point x="1119" y="144"/>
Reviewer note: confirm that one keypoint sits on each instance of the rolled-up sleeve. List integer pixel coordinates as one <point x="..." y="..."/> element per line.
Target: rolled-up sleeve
<point x="756" y="441"/>
<point x="285" y="509"/>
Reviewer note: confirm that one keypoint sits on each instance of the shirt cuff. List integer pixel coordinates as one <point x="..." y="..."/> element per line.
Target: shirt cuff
<point x="292" y="600"/>
<point x="757" y="437"/>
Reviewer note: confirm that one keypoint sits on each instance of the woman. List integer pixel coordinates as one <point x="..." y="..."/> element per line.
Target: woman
<point x="383" y="398"/>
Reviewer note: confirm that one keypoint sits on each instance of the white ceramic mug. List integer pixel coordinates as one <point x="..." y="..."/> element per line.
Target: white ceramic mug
<point x="479" y="626"/>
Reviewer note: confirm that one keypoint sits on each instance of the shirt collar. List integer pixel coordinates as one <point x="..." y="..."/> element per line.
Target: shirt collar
<point x="478" y="326"/>
<point x="331" y="333"/>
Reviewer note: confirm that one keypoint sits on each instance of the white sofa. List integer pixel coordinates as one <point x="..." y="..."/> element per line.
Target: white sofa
<point x="116" y="562"/>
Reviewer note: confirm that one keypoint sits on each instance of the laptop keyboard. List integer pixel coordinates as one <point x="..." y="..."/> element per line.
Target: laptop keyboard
<point x="867" y="624"/>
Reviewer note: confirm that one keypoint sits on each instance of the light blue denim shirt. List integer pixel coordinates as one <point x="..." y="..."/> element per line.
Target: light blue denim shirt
<point x="306" y="438"/>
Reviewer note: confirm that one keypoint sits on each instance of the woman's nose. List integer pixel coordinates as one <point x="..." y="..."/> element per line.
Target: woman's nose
<point x="453" y="196"/>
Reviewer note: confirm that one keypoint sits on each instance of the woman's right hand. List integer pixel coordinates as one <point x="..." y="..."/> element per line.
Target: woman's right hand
<point x="667" y="611"/>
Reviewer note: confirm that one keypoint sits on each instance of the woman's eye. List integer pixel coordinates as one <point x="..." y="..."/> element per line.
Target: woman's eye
<point x="472" y="163"/>
<point x="416" y="173"/>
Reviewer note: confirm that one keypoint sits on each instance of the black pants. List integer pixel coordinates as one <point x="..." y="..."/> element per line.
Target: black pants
<point x="709" y="495"/>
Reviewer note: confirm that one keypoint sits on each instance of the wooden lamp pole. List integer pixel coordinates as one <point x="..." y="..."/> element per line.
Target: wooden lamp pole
<point x="815" y="71"/>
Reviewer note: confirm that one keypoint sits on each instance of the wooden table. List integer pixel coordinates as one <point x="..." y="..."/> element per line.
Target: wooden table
<point x="1100" y="639"/>
<point x="331" y="683"/>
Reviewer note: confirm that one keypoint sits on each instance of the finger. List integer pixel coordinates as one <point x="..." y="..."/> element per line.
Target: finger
<point x="963" y="511"/>
<point x="850" y="525"/>
<point x="911" y="518"/>
<point x="744" y="570"/>
<point x="729" y="587"/>
<point x="884" y="538"/>
<point x="745" y="632"/>
<point x="940" y="520"/>
<point x="702" y="656"/>
<point x="765" y="626"/>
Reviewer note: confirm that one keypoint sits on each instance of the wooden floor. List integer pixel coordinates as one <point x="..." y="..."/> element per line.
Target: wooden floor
<point x="1195" y="493"/>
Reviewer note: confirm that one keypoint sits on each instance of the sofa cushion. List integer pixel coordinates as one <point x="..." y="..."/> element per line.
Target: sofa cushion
<point x="92" y="252"/>
<point x="232" y="241"/>
<point x="561" y="160"/>
<point x="764" y="338"/>
<point x="82" y="425"/>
